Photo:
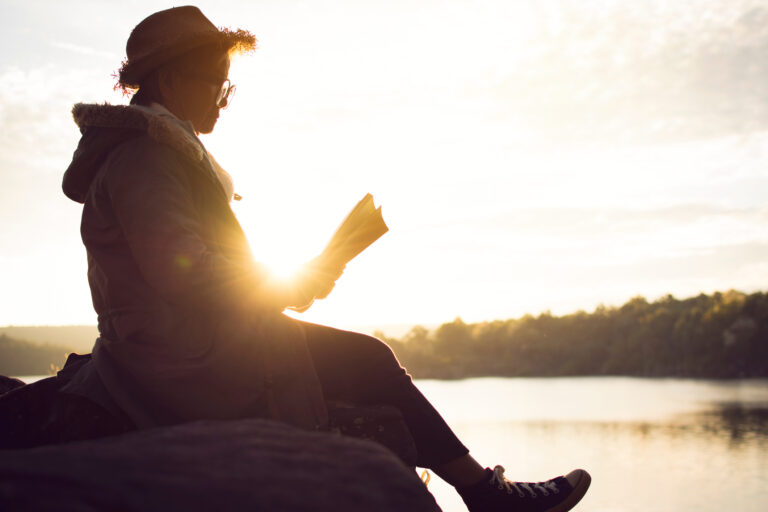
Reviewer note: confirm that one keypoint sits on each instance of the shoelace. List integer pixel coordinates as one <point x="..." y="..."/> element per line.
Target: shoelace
<point x="533" y="488"/>
<point x="425" y="478"/>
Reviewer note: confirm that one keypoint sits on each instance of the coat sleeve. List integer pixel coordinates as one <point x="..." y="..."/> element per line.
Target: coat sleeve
<point x="150" y="191"/>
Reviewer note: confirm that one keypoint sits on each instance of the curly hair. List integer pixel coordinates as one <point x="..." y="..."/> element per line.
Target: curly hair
<point x="238" y="40"/>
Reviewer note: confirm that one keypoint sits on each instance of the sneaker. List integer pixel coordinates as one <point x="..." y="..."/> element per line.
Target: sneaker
<point x="497" y="494"/>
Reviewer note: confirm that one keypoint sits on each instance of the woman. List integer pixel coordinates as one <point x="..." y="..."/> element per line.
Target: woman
<point x="190" y="326"/>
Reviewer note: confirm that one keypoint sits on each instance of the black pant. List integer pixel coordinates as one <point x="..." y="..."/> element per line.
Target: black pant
<point x="362" y="369"/>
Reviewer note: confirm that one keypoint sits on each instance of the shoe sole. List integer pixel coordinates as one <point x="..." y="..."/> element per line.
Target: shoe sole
<point x="579" y="490"/>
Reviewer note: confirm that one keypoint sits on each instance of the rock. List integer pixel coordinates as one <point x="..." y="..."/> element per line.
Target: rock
<point x="253" y="464"/>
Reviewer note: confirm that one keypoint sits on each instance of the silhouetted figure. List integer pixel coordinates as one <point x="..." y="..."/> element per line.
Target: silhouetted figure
<point x="190" y="326"/>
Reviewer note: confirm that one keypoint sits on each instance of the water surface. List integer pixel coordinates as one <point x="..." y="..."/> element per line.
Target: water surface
<point x="650" y="444"/>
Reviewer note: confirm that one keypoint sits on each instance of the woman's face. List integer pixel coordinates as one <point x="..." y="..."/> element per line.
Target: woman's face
<point x="193" y="88"/>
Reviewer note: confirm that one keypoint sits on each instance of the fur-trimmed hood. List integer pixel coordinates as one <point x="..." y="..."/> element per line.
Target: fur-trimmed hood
<point x="105" y="126"/>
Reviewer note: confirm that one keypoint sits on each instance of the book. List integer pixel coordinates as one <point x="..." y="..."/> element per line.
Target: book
<point x="362" y="226"/>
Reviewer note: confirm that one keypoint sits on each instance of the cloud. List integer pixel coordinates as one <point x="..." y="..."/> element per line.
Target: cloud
<point x="558" y="239"/>
<point x="733" y="263"/>
<point x="579" y="222"/>
<point x="85" y="50"/>
<point x="644" y="73"/>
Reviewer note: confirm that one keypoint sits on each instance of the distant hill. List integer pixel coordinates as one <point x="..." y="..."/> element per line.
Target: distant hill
<point x="74" y="338"/>
<point x="80" y="338"/>
<point x="18" y="357"/>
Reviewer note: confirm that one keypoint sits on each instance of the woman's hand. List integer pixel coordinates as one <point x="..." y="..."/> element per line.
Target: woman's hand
<point x="315" y="281"/>
<point x="321" y="276"/>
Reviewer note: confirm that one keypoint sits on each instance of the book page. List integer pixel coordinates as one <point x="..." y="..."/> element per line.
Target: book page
<point x="362" y="226"/>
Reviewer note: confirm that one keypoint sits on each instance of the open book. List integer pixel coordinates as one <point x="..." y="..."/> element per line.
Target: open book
<point x="363" y="226"/>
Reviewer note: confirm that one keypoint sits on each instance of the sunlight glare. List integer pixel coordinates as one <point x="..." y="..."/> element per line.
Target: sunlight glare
<point x="283" y="269"/>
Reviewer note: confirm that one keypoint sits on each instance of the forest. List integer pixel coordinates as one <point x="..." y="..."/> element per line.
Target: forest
<point x="19" y="357"/>
<point x="723" y="335"/>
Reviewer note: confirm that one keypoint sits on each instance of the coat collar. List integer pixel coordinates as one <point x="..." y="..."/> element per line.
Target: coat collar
<point x="164" y="128"/>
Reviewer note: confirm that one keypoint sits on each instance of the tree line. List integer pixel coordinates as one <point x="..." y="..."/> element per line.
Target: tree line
<point x="18" y="357"/>
<point x="723" y="335"/>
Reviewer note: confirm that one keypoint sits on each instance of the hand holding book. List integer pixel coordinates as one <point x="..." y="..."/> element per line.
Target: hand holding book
<point x="363" y="226"/>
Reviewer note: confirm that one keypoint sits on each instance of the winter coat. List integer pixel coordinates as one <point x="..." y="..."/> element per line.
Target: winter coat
<point x="184" y="334"/>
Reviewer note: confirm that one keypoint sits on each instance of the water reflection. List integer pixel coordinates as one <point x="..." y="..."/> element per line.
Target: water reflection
<point x="741" y="422"/>
<point x="734" y="422"/>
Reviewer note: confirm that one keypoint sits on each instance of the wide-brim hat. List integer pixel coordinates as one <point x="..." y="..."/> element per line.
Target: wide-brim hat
<point x="167" y="34"/>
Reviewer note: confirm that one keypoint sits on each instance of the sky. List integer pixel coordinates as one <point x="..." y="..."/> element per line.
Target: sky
<point x="528" y="156"/>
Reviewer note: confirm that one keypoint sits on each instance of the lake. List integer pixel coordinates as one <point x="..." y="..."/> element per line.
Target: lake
<point x="651" y="445"/>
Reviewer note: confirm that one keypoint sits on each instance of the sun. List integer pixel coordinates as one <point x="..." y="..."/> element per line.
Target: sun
<point x="276" y="239"/>
<point x="282" y="269"/>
